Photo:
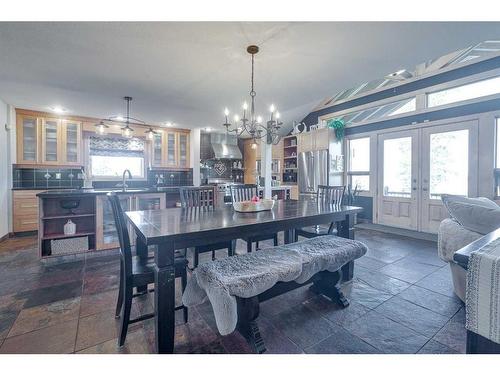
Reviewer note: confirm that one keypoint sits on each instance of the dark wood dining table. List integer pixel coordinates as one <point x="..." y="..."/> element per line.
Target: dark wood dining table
<point x="179" y="228"/>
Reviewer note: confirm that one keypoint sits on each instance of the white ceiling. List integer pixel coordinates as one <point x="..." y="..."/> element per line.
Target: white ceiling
<point x="188" y="72"/>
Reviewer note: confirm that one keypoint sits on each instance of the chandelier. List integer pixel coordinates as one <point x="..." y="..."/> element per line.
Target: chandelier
<point x="253" y="124"/>
<point x="127" y="131"/>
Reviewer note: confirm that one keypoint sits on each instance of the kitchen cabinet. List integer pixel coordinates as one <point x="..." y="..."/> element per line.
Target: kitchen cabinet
<point x="314" y="140"/>
<point x="71" y="140"/>
<point x="183" y="146"/>
<point x="106" y="235"/>
<point x="294" y="192"/>
<point x="48" y="141"/>
<point x="25" y="210"/>
<point x="27" y="139"/>
<point x="170" y="149"/>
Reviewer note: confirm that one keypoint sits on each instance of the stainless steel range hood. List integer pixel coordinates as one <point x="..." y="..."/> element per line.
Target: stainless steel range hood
<point x="225" y="146"/>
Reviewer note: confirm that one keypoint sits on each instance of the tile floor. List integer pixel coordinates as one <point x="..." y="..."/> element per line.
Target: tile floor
<point x="401" y="302"/>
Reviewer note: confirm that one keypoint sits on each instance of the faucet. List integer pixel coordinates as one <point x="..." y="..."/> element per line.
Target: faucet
<point x="124" y="185"/>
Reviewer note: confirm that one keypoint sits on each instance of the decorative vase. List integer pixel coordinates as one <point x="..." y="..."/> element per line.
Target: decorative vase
<point x="69" y="228"/>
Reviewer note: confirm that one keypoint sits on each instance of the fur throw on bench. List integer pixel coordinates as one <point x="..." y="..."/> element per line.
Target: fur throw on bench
<point x="250" y="274"/>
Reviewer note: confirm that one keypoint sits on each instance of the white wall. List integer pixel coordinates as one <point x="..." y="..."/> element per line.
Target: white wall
<point x="4" y="169"/>
<point x="195" y="138"/>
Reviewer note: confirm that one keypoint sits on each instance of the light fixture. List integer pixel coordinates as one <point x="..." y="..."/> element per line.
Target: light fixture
<point x="253" y="125"/>
<point x="58" y="109"/>
<point x="208" y="129"/>
<point x="100" y="128"/>
<point x="150" y="133"/>
<point x="168" y="124"/>
<point x="126" y="130"/>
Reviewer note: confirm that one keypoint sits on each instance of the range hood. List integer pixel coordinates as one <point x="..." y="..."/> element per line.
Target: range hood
<point x="225" y="146"/>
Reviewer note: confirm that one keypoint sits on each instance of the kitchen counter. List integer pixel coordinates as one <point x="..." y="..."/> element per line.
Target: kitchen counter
<point x="89" y="192"/>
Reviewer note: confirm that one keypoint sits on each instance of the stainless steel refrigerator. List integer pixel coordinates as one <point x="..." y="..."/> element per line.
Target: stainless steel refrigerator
<point x="313" y="171"/>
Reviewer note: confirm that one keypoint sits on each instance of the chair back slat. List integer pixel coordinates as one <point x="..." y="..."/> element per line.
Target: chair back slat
<point x="122" y="231"/>
<point x="197" y="196"/>
<point x="240" y="193"/>
<point x="330" y="194"/>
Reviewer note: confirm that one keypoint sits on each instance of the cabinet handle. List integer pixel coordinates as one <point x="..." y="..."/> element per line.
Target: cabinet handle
<point x="29" y="205"/>
<point x="29" y="222"/>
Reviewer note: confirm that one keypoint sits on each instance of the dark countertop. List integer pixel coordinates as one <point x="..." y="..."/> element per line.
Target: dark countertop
<point x="52" y="193"/>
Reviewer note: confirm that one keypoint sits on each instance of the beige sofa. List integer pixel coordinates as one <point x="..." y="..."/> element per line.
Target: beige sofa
<point x="452" y="237"/>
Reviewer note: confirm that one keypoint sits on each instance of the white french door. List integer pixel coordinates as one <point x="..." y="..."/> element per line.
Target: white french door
<point x="417" y="166"/>
<point x="398" y="174"/>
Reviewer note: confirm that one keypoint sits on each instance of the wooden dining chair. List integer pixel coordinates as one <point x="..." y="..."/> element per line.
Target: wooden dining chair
<point x="203" y="197"/>
<point x="246" y="192"/>
<point x="135" y="272"/>
<point x="326" y="195"/>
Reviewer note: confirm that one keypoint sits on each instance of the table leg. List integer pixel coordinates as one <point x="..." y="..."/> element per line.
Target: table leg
<point x="142" y="252"/>
<point x="164" y="298"/>
<point x="345" y="228"/>
<point x="289" y="236"/>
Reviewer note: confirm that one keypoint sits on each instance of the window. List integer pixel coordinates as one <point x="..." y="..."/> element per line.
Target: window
<point x="465" y="92"/>
<point x="110" y="156"/>
<point x="497" y="164"/>
<point x="359" y="164"/>
<point x="375" y="113"/>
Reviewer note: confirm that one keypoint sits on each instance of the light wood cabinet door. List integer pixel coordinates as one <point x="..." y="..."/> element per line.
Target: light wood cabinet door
<point x="27" y="139"/>
<point x="305" y="142"/>
<point x="158" y="157"/>
<point x="25" y="210"/>
<point x="71" y="140"/>
<point x="172" y="151"/>
<point x="51" y="144"/>
<point x="321" y="139"/>
<point x="294" y="192"/>
<point x="183" y="147"/>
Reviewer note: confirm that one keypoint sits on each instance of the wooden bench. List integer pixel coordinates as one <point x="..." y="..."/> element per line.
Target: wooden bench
<point x="236" y="285"/>
<point x="324" y="282"/>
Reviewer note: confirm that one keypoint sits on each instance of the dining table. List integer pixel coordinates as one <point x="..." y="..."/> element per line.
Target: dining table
<point x="167" y="230"/>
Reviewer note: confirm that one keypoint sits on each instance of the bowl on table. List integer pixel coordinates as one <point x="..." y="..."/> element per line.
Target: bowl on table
<point x="253" y="206"/>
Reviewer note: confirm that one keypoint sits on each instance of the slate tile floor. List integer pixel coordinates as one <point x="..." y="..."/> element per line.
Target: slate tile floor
<point x="401" y="302"/>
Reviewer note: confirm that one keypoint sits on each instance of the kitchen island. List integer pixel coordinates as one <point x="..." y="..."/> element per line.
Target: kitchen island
<point x="91" y="214"/>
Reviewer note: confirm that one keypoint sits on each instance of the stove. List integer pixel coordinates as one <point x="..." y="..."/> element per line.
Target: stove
<point x="223" y="189"/>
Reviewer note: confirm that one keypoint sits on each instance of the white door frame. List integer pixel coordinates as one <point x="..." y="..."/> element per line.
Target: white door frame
<point x="420" y="172"/>
<point x="432" y="211"/>
<point x="399" y="211"/>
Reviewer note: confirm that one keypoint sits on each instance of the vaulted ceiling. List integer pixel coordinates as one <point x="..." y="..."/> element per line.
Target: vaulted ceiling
<point x="188" y="72"/>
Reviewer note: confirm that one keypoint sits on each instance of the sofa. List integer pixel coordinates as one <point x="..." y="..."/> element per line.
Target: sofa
<point x="470" y="219"/>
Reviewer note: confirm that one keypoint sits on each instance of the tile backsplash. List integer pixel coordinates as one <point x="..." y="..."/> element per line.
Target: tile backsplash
<point x="55" y="178"/>
<point x="169" y="177"/>
<point x="46" y="178"/>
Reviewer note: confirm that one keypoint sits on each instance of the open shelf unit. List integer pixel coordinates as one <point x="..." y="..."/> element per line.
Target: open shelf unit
<point x="53" y="217"/>
<point x="290" y="155"/>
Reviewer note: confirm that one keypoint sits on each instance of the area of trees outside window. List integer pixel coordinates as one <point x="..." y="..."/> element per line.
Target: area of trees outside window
<point x="359" y="163"/>
<point x="449" y="159"/>
<point x="397" y="167"/>
<point x="474" y="90"/>
<point x="113" y="166"/>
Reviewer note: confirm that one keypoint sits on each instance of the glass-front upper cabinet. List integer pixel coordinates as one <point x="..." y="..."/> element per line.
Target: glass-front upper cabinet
<point x="157" y="153"/>
<point x="50" y="141"/>
<point x="27" y="139"/>
<point x="183" y="150"/>
<point x="172" y="149"/>
<point x="71" y="140"/>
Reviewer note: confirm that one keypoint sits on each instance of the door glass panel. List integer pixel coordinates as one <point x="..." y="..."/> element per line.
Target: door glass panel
<point x="359" y="152"/>
<point x="29" y="139"/>
<point x="157" y="149"/>
<point x="397" y="167"/>
<point x="72" y="142"/>
<point x="148" y="203"/>
<point x="183" y="150"/>
<point x="50" y="130"/>
<point x="449" y="163"/>
<point x="171" y="148"/>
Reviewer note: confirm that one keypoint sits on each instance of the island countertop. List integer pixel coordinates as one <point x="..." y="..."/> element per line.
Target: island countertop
<point x="88" y="192"/>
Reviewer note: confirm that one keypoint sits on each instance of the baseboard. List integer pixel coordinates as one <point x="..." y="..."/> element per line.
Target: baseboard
<point x="399" y="231"/>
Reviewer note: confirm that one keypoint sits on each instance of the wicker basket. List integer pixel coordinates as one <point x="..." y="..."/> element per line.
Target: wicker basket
<point x="69" y="245"/>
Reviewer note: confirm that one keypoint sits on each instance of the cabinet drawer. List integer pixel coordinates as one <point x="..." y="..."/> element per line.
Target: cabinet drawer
<point x="23" y="223"/>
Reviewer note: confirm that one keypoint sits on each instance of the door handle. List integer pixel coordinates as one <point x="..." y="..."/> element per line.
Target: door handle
<point x="424" y="189"/>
